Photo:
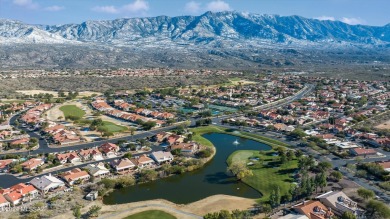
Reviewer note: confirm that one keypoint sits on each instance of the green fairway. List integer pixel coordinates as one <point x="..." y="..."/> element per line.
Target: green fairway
<point x="152" y="214"/>
<point x="72" y="110"/>
<point x="111" y="127"/>
<point x="267" y="172"/>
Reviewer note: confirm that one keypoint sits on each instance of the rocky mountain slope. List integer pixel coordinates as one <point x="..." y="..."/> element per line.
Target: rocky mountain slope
<point x="212" y="37"/>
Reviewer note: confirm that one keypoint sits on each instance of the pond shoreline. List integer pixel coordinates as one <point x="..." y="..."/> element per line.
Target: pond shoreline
<point x="210" y="178"/>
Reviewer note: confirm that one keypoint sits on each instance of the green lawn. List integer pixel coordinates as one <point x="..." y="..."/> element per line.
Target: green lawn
<point x="267" y="172"/>
<point x="112" y="127"/>
<point x="152" y="214"/>
<point x="72" y="110"/>
<point x="199" y="131"/>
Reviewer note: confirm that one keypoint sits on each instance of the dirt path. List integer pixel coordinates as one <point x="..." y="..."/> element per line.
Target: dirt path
<point x="189" y="211"/>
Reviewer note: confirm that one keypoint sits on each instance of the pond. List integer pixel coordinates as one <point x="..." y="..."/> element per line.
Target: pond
<point x="212" y="179"/>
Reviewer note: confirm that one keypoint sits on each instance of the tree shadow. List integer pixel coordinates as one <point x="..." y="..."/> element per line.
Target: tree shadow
<point x="220" y="178"/>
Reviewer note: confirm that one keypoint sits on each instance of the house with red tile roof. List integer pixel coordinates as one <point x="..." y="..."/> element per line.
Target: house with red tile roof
<point x="90" y="154"/>
<point x="32" y="164"/>
<point x="109" y="149"/>
<point x="143" y="161"/>
<point x="4" y="163"/>
<point x="313" y="210"/>
<point x="16" y="193"/>
<point x="173" y="139"/>
<point x="64" y="137"/>
<point x="363" y="152"/>
<point x="186" y="148"/>
<point x="75" y="175"/>
<point x="22" y="141"/>
<point x="70" y="157"/>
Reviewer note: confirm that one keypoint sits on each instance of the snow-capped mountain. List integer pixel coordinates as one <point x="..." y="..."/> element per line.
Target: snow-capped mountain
<point x="212" y="40"/>
<point x="203" y="29"/>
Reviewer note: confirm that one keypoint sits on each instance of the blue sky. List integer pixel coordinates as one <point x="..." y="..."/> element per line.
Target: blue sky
<point x="370" y="12"/>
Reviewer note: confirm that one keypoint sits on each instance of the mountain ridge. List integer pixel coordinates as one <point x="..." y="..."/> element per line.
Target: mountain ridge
<point x="202" y="29"/>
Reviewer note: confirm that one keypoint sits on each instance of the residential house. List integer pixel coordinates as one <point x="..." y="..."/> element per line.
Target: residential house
<point x="97" y="170"/>
<point x="340" y="203"/>
<point x="363" y="152"/>
<point x="75" y="175"/>
<point x="4" y="164"/>
<point x="186" y="148"/>
<point x="109" y="149"/>
<point x="16" y="194"/>
<point x="162" y="157"/>
<point x="70" y="157"/>
<point x="65" y="137"/>
<point x="175" y="139"/>
<point x="121" y="165"/>
<point x="161" y="136"/>
<point x="90" y="154"/>
<point x="32" y="164"/>
<point x="47" y="183"/>
<point x="313" y="210"/>
<point x="22" y="141"/>
<point x="143" y="161"/>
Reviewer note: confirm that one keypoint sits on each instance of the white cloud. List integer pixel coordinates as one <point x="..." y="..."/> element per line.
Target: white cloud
<point x="54" y="8"/>
<point x="136" y="6"/>
<point x="26" y="3"/>
<point x="326" y="18"/>
<point x="192" y="7"/>
<point x="352" y="20"/>
<point x="106" y="9"/>
<point x="218" y="5"/>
